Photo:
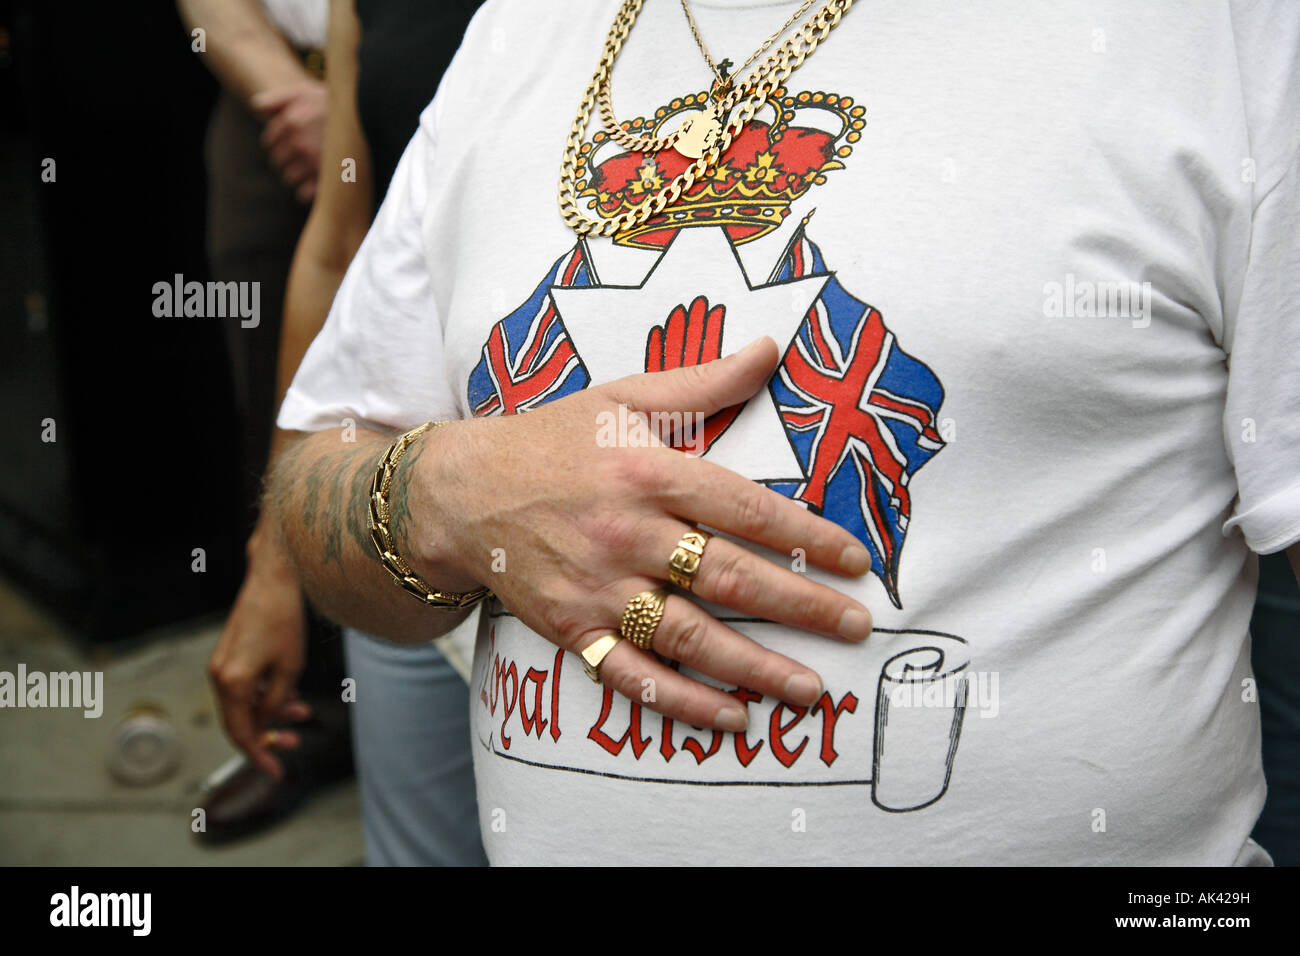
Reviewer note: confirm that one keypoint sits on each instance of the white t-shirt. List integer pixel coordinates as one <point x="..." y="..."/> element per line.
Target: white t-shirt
<point x="304" y="23"/>
<point x="1043" y="360"/>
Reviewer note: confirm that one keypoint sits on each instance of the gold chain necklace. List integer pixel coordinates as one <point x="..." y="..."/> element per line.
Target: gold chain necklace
<point x="721" y="70"/>
<point x="704" y="129"/>
<point x="689" y="145"/>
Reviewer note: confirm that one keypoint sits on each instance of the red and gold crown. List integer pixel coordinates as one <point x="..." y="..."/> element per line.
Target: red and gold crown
<point x="749" y="191"/>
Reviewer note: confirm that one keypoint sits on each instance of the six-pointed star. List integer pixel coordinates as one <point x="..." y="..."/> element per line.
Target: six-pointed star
<point x="609" y="325"/>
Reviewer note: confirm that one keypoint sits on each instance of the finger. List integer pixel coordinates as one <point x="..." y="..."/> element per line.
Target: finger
<point x="626" y="669"/>
<point x="281" y="156"/>
<point x="703" y="492"/>
<point x="241" y="726"/>
<point x="295" y="711"/>
<point x="295" y="172"/>
<point x="235" y="701"/>
<point x="689" y="634"/>
<point x="699" y="388"/>
<point x="266" y="761"/>
<point x="278" y="691"/>
<point x="735" y="577"/>
<point x="277" y="130"/>
<point x="306" y="191"/>
<point x="280" y="740"/>
<point x="739" y="579"/>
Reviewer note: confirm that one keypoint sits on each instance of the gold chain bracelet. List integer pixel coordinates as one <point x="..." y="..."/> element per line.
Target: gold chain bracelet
<point x="382" y="535"/>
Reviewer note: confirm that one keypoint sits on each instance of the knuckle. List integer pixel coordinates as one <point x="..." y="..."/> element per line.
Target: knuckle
<point x="612" y="532"/>
<point x="626" y="682"/>
<point x="730" y="583"/>
<point x="686" y="641"/>
<point x="823" y="534"/>
<point x="564" y="623"/>
<point x="818" y="610"/>
<point x="235" y="681"/>
<point x="696" y="377"/>
<point x="638" y="472"/>
<point x="601" y="396"/>
<point x="755" y="512"/>
<point x="762" y="672"/>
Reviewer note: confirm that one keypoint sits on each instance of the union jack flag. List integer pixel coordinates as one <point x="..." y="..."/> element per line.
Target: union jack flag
<point x="860" y="412"/>
<point x="528" y="358"/>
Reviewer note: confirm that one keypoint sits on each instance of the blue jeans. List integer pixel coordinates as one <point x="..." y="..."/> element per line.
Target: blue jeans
<point x="1275" y="653"/>
<point x="411" y="737"/>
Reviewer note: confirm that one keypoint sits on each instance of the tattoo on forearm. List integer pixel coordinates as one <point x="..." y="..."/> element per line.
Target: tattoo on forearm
<point x="332" y="520"/>
<point x="358" y="510"/>
<point x="399" y="505"/>
<point x="313" y="480"/>
<point x="348" y="491"/>
<point x="332" y="496"/>
<point x="277" y="491"/>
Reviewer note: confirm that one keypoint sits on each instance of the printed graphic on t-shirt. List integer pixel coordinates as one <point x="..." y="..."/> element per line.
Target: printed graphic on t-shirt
<point x="847" y="421"/>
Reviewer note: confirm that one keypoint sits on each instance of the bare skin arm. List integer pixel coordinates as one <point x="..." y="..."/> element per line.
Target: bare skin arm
<point x="256" y="664"/>
<point x="255" y="63"/>
<point x="244" y="50"/>
<point x="321" y="484"/>
<point x="339" y="216"/>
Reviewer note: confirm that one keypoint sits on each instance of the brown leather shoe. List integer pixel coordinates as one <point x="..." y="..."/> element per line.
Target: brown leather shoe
<point x="247" y="801"/>
<point x="250" y="799"/>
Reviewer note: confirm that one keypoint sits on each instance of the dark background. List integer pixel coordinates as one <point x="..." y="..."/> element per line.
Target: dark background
<point x="100" y="525"/>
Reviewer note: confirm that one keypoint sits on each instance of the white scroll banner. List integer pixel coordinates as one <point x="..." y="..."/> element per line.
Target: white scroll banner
<point x="890" y="718"/>
<point x="920" y="705"/>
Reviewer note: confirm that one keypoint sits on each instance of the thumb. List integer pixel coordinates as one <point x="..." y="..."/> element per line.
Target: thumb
<point x="706" y="388"/>
<point x="279" y="691"/>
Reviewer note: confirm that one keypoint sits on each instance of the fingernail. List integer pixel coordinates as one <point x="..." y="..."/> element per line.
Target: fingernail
<point x="752" y="346"/>
<point x="855" y="560"/>
<point x="855" y="625"/>
<point x="731" y="718"/>
<point x="803" y="689"/>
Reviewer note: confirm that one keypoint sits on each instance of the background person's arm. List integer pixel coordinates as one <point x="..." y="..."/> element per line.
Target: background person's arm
<point x="244" y="50"/>
<point x="255" y="63"/>
<point x="256" y="664"/>
<point x="340" y="214"/>
<point x="335" y="227"/>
